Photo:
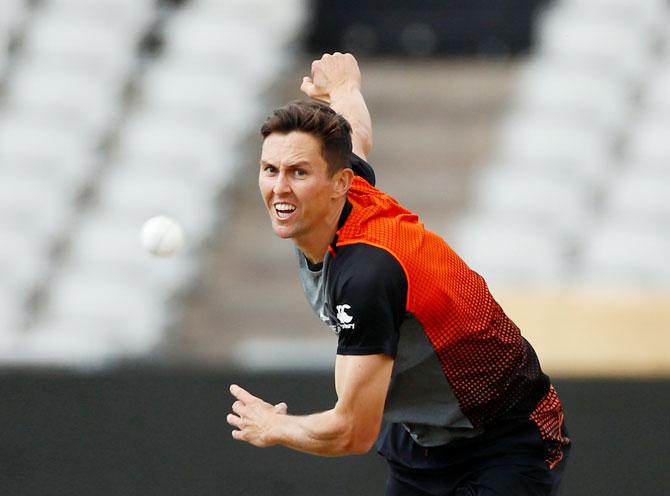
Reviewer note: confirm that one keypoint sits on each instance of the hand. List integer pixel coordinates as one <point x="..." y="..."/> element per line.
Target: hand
<point x="253" y="417"/>
<point x="332" y="74"/>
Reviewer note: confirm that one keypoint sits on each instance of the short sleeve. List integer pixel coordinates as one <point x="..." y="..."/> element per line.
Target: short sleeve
<point x="363" y="169"/>
<point x="368" y="300"/>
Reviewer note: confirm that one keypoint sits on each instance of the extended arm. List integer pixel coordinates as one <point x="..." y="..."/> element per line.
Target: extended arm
<point x="336" y="79"/>
<point x="350" y="427"/>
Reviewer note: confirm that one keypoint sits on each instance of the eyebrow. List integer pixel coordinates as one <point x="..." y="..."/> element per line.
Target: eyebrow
<point x="302" y="163"/>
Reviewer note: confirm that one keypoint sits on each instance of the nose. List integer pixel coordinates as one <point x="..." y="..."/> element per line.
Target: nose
<point x="281" y="184"/>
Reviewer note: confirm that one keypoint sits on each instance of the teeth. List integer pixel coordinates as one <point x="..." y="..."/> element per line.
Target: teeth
<point x="284" y="209"/>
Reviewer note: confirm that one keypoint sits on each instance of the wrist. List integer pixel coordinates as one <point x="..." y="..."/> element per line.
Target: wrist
<point x="271" y="436"/>
<point x="344" y="92"/>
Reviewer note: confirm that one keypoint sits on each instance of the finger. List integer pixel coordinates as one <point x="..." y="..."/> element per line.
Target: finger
<point x="281" y="408"/>
<point x="234" y="420"/>
<point x="307" y="86"/>
<point x="239" y="408"/>
<point x="241" y="394"/>
<point x="238" y="435"/>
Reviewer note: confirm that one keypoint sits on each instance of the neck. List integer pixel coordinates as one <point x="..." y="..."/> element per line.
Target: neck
<point x="315" y="246"/>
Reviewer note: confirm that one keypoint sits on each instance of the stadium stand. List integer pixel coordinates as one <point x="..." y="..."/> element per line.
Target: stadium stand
<point x="126" y="130"/>
<point x="583" y="152"/>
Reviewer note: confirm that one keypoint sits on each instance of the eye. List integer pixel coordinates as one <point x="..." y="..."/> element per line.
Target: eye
<point x="269" y="169"/>
<point x="300" y="173"/>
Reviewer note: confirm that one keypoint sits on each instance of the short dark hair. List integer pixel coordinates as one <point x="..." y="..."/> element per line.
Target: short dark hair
<point x="319" y="120"/>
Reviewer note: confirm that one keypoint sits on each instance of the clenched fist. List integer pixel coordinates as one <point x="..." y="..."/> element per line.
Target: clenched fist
<point x="332" y="74"/>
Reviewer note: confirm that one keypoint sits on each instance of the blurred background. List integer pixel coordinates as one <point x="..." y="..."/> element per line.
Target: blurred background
<point x="534" y="135"/>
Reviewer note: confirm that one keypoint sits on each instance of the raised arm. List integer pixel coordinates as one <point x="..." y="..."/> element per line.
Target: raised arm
<point x="350" y="427"/>
<point x="336" y="80"/>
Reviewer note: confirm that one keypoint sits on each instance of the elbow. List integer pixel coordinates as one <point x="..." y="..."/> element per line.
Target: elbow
<point x="359" y="439"/>
<point x="362" y="143"/>
<point x="362" y="446"/>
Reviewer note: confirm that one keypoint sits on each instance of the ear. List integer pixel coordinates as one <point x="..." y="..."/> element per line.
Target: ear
<point x="342" y="182"/>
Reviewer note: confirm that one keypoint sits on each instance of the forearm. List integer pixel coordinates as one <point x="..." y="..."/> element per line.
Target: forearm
<point x="327" y="433"/>
<point x="351" y="105"/>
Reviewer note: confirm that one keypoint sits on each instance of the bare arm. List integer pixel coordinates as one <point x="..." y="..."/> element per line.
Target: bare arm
<point x="350" y="427"/>
<point x="336" y="79"/>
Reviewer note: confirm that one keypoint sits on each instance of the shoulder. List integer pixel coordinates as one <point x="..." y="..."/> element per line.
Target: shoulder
<point x="366" y="269"/>
<point x="368" y="297"/>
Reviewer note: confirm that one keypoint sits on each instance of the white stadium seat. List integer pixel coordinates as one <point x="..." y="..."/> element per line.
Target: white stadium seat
<point x="13" y="15"/>
<point x="641" y="195"/>
<point x="34" y="206"/>
<point x="649" y="15"/>
<point x="65" y="97"/>
<point x="62" y="157"/>
<point x="510" y="252"/>
<point x="178" y="143"/>
<point x="139" y="196"/>
<point x="281" y="20"/>
<point x="624" y="254"/>
<point x="65" y="343"/>
<point x="570" y="149"/>
<point x="135" y="315"/>
<point x="657" y="97"/>
<point x="240" y="47"/>
<point x="209" y="174"/>
<point x="561" y="90"/>
<point x="213" y="97"/>
<point x="23" y="263"/>
<point x="4" y="52"/>
<point x="549" y="201"/>
<point x="649" y="144"/>
<point x="594" y="42"/>
<point x="105" y="242"/>
<point x="11" y="313"/>
<point x="20" y="133"/>
<point x="76" y="42"/>
<point x="131" y="16"/>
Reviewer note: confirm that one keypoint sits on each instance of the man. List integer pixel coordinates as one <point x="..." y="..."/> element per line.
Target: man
<point x="421" y="342"/>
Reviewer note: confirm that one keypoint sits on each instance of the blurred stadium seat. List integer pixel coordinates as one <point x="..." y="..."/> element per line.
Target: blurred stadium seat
<point x="13" y="15"/>
<point x="594" y="40"/>
<point x="140" y="195"/>
<point x="648" y="144"/>
<point x="642" y="196"/>
<point x="86" y="295"/>
<point x="80" y="42"/>
<point x="552" y="202"/>
<point x="64" y="98"/>
<point x="625" y="253"/>
<point x="511" y="251"/>
<point x="177" y="143"/>
<point x="108" y="242"/>
<point x="579" y="95"/>
<point x="569" y="148"/>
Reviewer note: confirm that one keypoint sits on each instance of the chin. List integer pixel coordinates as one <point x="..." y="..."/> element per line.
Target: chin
<point x="283" y="232"/>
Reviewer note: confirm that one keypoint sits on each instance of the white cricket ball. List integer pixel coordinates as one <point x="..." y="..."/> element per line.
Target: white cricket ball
<point x="162" y="236"/>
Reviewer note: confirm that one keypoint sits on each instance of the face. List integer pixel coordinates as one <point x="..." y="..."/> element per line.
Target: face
<point x="295" y="185"/>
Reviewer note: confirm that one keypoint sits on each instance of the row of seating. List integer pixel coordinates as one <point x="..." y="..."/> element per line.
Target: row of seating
<point x="578" y="190"/>
<point x="98" y="135"/>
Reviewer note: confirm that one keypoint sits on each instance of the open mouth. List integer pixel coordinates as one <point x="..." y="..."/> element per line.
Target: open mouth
<point x="284" y="210"/>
